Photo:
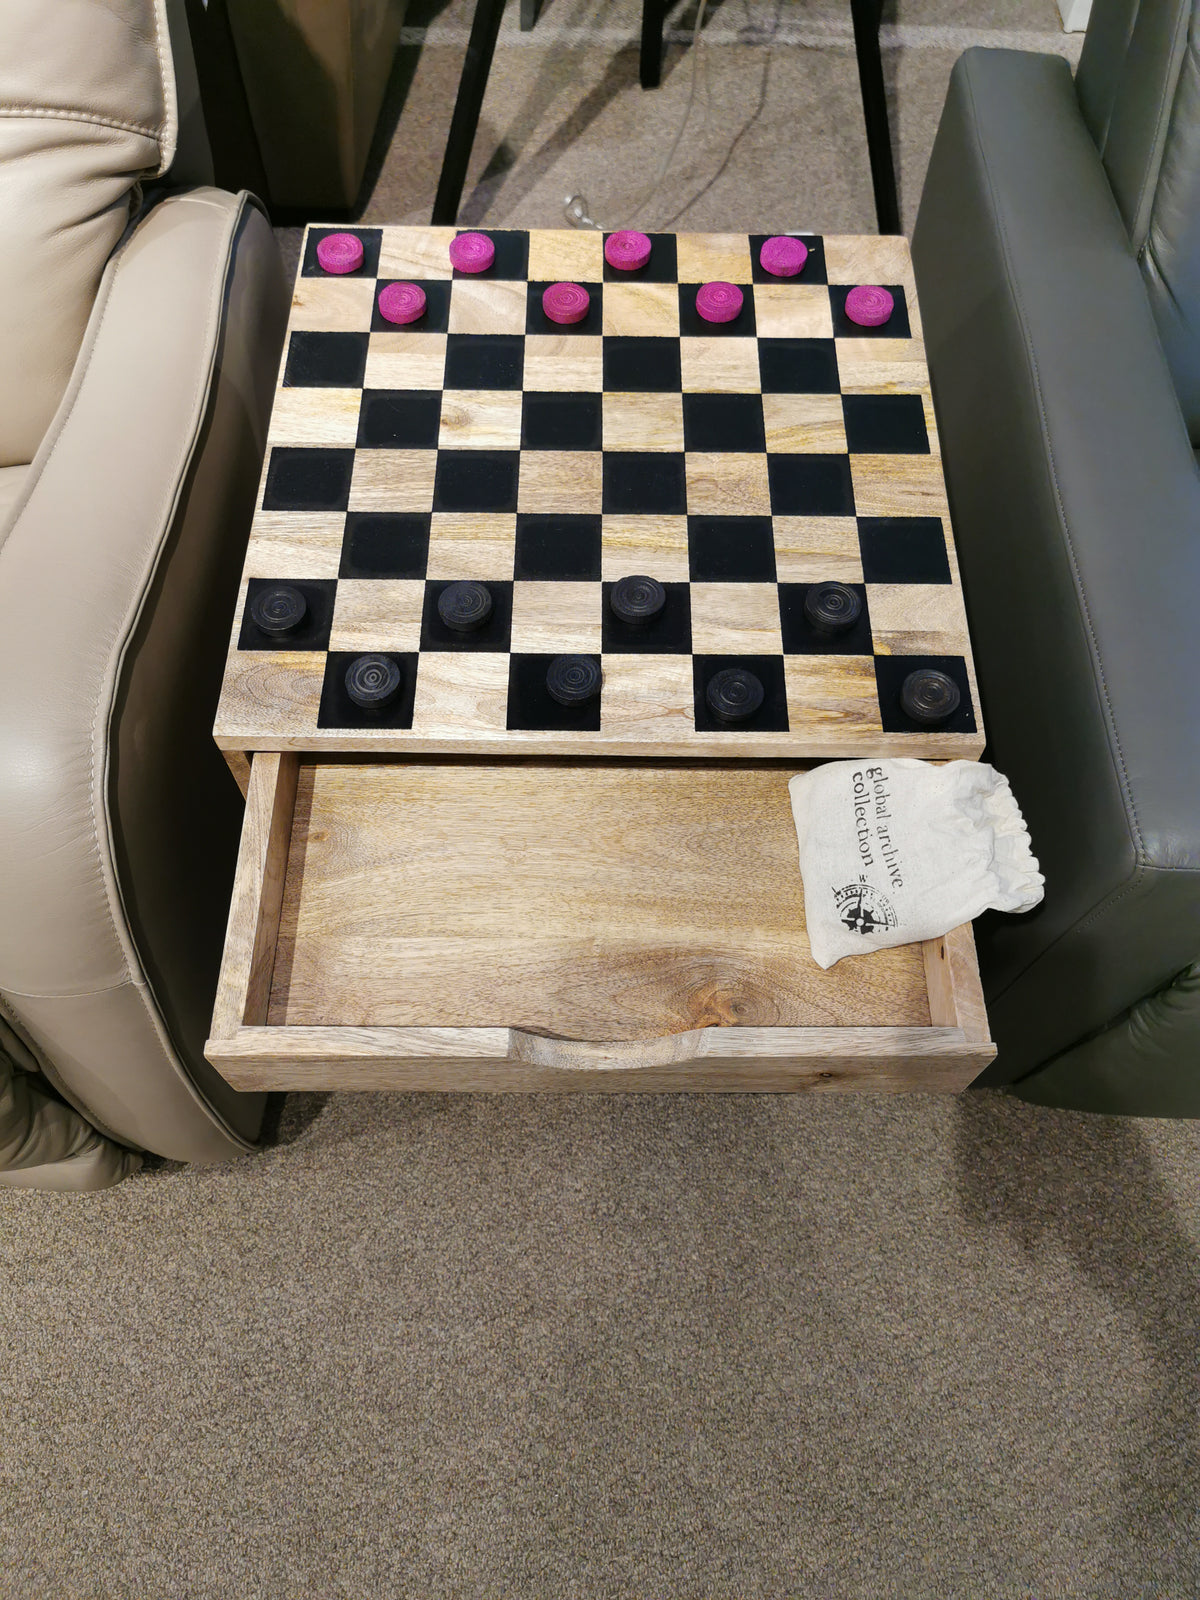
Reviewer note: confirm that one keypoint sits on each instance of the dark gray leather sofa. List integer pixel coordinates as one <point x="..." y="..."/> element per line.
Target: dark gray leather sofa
<point x="1057" y="257"/>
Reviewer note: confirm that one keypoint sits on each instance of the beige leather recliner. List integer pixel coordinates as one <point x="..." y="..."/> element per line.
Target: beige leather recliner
<point x="141" y="321"/>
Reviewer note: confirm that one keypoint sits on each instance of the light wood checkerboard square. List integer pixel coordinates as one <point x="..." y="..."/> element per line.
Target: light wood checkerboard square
<point x="917" y="619"/>
<point x="564" y="363"/>
<point x="641" y="309"/>
<point x="727" y="484"/>
<point x="393" y="480"/>
<point x="332" y="305"/>
<point x="480" y="306"/>
<point x="802" y="424"/>
<point x="832" y="693"/>
<point x="480" y="419"/>
<point x="405" y="361"/>
<point x="817" y="550"/>
<point x="377" y="614"/>
<point x="881" y="366"/>
<point x="898" y="486"/>
<point x="296" y="544"/>
<point x="647" y="697"/>
<point x="703" y="257"/>
<point x="463" y="692"/>
<point x="792" y="311"/>
<point x="719" y="366"/>
<point x="566" y="255"/>
<point x="656" y="547"/>
<point x="410" y="253"/>
<point x="560" y="481"/>
<point x="554" y="618"/>
<point x="480" y="545"/>
<point x="735" y="619"/>
<point x="315" y="416"/>
<point x="643" y="422"/>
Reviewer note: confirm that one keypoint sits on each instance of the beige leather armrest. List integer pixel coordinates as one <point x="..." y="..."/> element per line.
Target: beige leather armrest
<point x="108" y="568"/>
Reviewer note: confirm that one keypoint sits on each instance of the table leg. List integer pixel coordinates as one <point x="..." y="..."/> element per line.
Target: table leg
<point x="529" y="14"/>
<point x="650" y="63"/>
<point x="866" y="15"/>
<point x="481" y="46"/>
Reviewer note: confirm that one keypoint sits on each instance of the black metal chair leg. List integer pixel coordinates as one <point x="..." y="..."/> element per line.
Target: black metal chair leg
<point x="471" y="86"/>
<point x="529" y="14"/>
<point x="650" y="64"/>
<point x="866" y="15"/>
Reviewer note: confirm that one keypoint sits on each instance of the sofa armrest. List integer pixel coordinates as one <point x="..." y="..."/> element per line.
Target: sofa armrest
<point x="1076" y="505"/>
<point x="118" y="571"/>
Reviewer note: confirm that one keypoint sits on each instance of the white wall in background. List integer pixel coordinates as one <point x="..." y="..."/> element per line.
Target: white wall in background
<point x="1075" y="14"/>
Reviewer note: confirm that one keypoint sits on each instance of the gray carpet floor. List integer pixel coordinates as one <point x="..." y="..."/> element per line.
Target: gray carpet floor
<point x="847" y="1348"/>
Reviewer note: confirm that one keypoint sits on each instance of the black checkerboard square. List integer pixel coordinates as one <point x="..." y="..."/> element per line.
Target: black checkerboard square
<point x="800" y="638"/>
<point x="810" y="486"/>
<point x="435" y="318"/>
<point x="558" y="547"/>
<point x="651" y="482"/>
<point x="372" y="240"/>
<point x="399" y="419"/>
<point x="533" y="708"/>
<point x="896" y="327"/>
<point x="798" y="366"/>
<point x="771" y="716"/>
<point x="890" y="673"/>
<point x="641" y="365"/>
<point x="337" y="710"/>
<point x="313" y="631"/>
<point x="713" y="422"/>
<point x="662" y="267"/>
<point x="903" y="550"/>
<point x="512" y="254"/>
<point x="536" y="320"/>
<point x="308" y="478"/>
<point x="385" y="545"/>
<point x="667" y="634"/>
<point x="496" y="633"/>
<point x="476" y="480"/>
<point x="813" y="270"/>
<point x="885" y="424"/>
<point x="731" y="550"/>
<point x="325" y="360"/>
<point x="561" y="421"/>
<point x="693" y="326"/>
<point x="484" y="360"/>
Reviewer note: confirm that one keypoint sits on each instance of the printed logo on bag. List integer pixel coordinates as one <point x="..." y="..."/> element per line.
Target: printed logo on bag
<point x="863" y="909"/>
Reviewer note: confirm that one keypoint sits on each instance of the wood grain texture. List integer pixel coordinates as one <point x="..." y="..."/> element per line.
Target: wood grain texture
<point x="952" y="981"/>
<point x="598" y="902"/>
<point x="641" y="308"/>
<point x="243" y="988"/>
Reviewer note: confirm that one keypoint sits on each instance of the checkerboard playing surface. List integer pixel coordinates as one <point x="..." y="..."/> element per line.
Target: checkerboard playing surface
<point x="738" y="464"/>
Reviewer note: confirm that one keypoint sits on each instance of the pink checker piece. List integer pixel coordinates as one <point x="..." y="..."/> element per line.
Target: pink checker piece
<point x="340" y="252"/>
<point x="566" y="302"/>
<point x="869" y="305"/>
<point x="783" y="256"/>
<point x="719" y="302"/>
<point x="402" y="302"/>
<point x="627" y="250"/>
<point x="472" y="252"/>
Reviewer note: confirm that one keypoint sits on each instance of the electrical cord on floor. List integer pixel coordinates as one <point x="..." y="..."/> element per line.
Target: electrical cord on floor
<point x="575" y="207"/>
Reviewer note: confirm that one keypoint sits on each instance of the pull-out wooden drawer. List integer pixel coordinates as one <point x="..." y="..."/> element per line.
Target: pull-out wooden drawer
<point x="454" y="925"/>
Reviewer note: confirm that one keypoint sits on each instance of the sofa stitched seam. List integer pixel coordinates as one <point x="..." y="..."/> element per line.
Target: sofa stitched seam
<point x="1159" y="142"/>
<point x="53" y="114"/>
<point x="1108" y="902"/>
<point x="168" y="128"/>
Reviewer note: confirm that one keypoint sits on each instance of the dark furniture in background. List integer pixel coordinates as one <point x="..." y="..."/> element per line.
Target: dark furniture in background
<point x="1057" y="255"/>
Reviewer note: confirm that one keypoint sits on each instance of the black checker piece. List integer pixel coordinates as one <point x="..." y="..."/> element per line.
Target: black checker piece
<point x="557" y="547"/>
<point x="406" y="419"/>
<point x="326" y="361"/>
<point x="484" y="360"/>
<point x="801" y="638"/>
<point x="903" y="550"/>
<point x="476" y="480"/>
<point x="560" y="421"/>
<point x="731" y="550"/>
<point x="311" y="632"/>
<point x="339" y="710"/>
<point x="650" y="483"/>
<point x="532" y="706"/>
<point x="495" y="634"/>
<point x="512" y="254"/>
<point x="308" y="479"/>
<point x="813" y="270"/>
<point x="385" y="545"/>
<point x="649" y="365"/>
<point x="810" y="486"/>
<point x="436" y="317"/>
<point x="896" y="326"/>
<point x="798" y="366"/>
<point x="662" y="267"/>
<point x="667" y="633"/>
<point x="723" y="422"/>
<point x="372" y="241"/>
<point x="693" y="326"/>
<point x="536" y="320"/>
<point x="771" y="715"/>
<point x="890" y="674"/>
<point x="885" y="424"/>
